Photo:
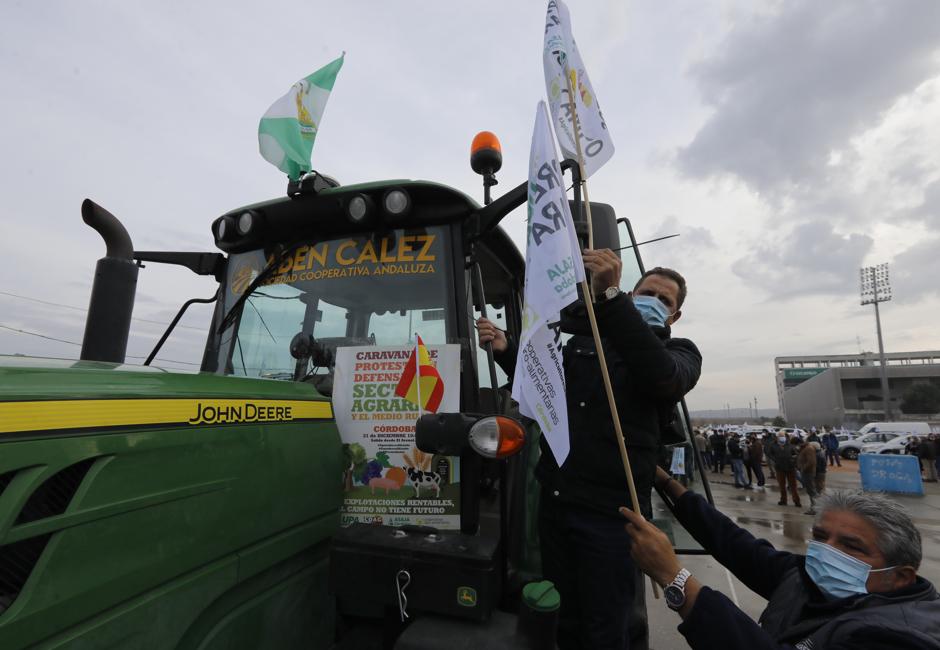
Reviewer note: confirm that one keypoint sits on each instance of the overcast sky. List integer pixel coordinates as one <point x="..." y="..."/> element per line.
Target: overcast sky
<point x="789" y="143"/>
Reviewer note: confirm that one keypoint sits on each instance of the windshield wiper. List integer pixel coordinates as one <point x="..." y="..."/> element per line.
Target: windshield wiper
<point x="266" y="272"/>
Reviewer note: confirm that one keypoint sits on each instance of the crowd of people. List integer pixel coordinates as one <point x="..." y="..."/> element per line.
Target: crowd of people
<point x="791" y="459"/>
<point x="927" y="450"/>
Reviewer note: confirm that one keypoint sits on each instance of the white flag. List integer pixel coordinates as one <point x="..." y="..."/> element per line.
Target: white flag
<point x="561" y="57"/>
<point x="552" y="273"/>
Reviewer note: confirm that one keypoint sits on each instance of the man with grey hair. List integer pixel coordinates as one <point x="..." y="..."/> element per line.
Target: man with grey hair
<point x="855" y="588"/>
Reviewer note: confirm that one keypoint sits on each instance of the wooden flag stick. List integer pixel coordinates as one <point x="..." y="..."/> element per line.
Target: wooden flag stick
<point x="595" y="332"/>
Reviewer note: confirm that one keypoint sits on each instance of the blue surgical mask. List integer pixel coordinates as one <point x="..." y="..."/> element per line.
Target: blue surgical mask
<point x="653" y="311"/>
<point x="837" y="574"/>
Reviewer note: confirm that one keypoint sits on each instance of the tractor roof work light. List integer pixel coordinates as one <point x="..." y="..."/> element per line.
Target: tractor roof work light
<point x="224" y="229"/>
<point x="396" y="202"/>
<point x="247" y="221"/>
<point x="360" y="209"/>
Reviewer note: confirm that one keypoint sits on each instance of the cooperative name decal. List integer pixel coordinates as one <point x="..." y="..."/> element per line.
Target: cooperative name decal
<point x="404" y="255"/>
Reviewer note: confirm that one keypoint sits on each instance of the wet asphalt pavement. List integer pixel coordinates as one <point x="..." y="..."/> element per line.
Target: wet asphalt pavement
<point x="787" y="528"/>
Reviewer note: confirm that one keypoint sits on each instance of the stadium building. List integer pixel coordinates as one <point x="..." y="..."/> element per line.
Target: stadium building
<point x="845" y="389"/>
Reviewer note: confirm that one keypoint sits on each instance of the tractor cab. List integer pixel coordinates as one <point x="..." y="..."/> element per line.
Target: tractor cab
<point x="348" y="469"/>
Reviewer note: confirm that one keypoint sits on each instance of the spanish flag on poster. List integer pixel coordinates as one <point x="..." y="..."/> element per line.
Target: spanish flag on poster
<point x="420" y="382"/>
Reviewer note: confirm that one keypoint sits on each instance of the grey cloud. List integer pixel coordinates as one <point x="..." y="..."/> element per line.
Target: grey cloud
<point x="693" y="242"/>
<point x="691" y="236"/>
<point x="812" y="259"/>
<point x="914" y="272"/>
<point x="790" y="88"/>
<point x="929" y="210"/>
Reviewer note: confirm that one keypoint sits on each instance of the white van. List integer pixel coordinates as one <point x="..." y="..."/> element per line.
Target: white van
<point x="895" y="427"/>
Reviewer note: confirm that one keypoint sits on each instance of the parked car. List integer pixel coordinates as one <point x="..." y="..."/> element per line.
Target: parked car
<point x="791" y="431"/>
<point x="850" y="449"/>
<point x="897" y="445"/>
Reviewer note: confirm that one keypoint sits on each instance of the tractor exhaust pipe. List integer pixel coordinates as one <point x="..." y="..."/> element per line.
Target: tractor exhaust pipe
<point x="112" y="294"/>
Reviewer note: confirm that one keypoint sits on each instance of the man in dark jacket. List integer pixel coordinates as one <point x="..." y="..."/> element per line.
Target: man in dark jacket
<point x="928" y="454"/>
<point x="719" y="451"/>
<point x="783" y="456"/>
<point x="736" y="455"/>
<point x="831" y="445"/>
<point x="755" y="460"/>
<point x="856" y="588"/>
<point x="580" y="531"/>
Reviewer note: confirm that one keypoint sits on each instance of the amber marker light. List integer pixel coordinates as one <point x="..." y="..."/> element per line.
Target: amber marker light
<point x="497" y="436"/>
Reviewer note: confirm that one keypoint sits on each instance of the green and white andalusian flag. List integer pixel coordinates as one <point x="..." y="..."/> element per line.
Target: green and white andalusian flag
<point x="288" y="129"/>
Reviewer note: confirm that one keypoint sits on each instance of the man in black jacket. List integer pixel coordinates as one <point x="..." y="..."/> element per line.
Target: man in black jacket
<point x="856" y="588"/>
<point x="719" y="451"/>
<point x="581" y="535"/>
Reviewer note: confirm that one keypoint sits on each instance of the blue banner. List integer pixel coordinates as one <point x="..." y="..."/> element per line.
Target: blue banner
<point x="890" y="473"/>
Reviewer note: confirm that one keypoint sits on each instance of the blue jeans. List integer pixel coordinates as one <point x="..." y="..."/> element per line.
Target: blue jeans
<point x="737" y="467"/>
<point x="587" y="556"/>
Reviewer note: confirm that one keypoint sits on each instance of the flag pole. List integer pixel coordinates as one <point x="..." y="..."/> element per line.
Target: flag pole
<point x="589" y="304"/>
<point x="418" y="371"/>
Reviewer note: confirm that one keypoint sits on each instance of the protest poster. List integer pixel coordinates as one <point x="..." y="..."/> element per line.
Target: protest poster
<point x="387" y="480"/>
<point x="677" y="468"/>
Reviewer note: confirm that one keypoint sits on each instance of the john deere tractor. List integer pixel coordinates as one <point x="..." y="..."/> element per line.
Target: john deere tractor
<point x="147" y="508"/>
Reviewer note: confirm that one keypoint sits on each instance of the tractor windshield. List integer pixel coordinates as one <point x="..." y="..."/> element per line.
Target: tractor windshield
<point x="380" y="289"/>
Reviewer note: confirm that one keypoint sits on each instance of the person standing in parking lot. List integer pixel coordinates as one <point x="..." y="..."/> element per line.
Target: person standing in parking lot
<point x="820" y="469"/>
<point x="719" y="449"/>
<point x="928" y="454"/>
<point x="701" y="444"/>
<point x="736" y="454"/>
<point x="912" y="448"/>
<point x="806" y="464"/>
<point x="755" y="458"/>
<point x="831" y="445"/>
<point x="784" y="460"/>
<point x="768" y="442"/>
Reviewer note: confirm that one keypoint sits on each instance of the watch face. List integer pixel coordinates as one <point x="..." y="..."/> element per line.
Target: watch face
<point x="674" y="596"/>
<point x="611" y="293"/>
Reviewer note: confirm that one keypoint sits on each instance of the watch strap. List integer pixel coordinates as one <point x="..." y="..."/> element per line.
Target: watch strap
<point x="608" y="294"/>
<point x="677" y="584"/>
<point x="681" y="578"/>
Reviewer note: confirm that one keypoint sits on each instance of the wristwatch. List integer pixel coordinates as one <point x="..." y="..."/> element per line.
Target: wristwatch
<point x="609" y="294"/>
<point x="675" y="590"/>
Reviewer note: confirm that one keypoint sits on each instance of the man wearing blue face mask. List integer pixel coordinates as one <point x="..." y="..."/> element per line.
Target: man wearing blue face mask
<point x="581" y="534"/>
<point x="856" y="588"/>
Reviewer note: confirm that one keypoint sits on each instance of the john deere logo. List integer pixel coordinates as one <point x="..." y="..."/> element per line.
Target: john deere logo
<point x="467" y="596"/>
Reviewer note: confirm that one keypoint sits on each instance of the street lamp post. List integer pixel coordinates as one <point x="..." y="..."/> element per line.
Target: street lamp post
<point x="876" y="288"/>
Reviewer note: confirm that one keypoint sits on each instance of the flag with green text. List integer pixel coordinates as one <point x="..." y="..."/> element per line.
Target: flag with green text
<point x="288" y="129"/>
<point x="553" y="269"/>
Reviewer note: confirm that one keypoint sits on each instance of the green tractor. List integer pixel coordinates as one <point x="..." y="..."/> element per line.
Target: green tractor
<point x="146" y="508"/>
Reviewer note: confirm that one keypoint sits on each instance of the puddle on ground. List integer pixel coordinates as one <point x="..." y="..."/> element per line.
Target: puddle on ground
<point x="796" y="530"/>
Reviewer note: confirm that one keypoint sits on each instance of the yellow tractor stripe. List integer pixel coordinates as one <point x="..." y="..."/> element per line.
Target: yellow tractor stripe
<point x="102" y="413"/>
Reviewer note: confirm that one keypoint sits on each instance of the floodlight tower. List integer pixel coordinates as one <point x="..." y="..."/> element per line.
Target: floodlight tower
<point x="876" y="288"/>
